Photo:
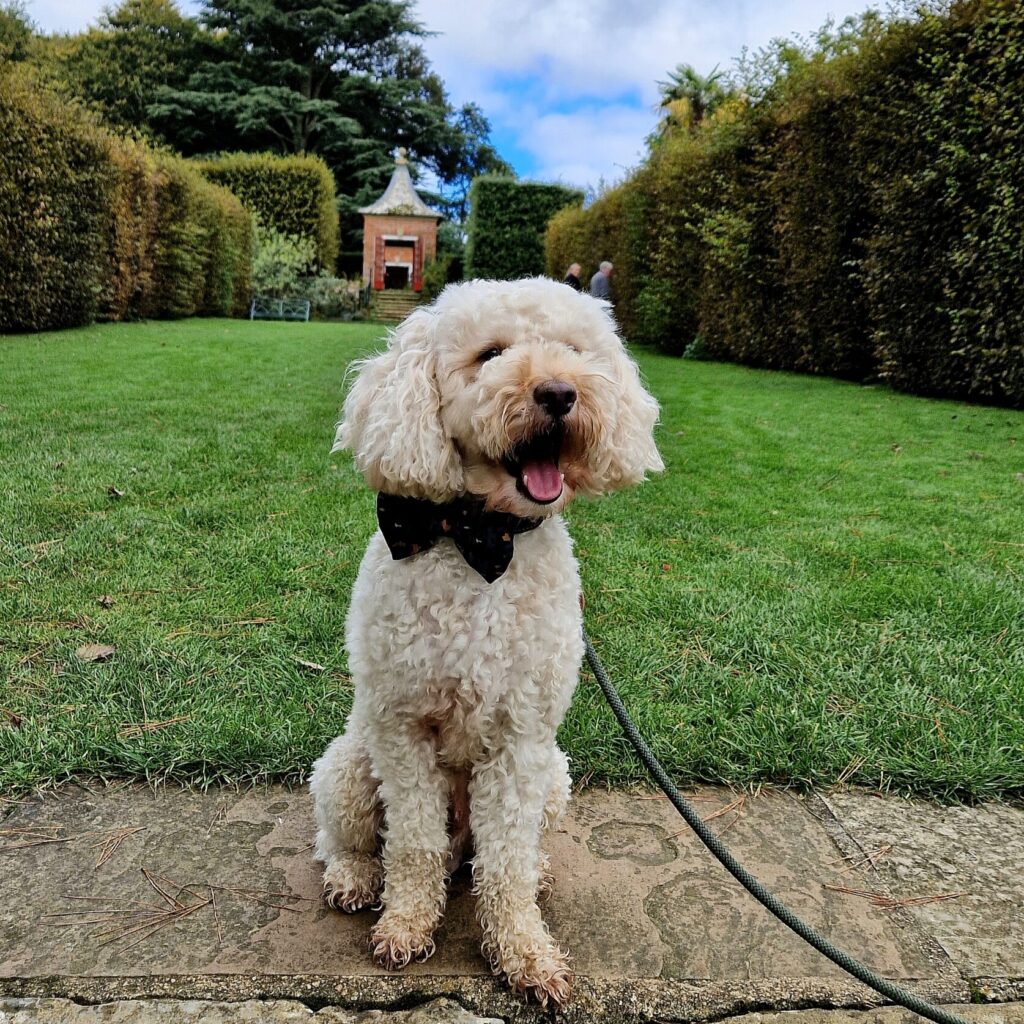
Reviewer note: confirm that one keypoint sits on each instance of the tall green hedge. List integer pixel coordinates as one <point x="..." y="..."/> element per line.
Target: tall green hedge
<point x="100" y="227"/>
<point x="203" y="245"/>
<point x="507" y="220"/>
<point x="128" y="276"/>
<point x="57" y="185"/>
<point x="293" y="194"/>
<point x="942" y="146"/>
<point x="861" y="216"/>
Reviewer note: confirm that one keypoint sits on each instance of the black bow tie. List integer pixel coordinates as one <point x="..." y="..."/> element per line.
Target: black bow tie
<point x="412" y="525"/>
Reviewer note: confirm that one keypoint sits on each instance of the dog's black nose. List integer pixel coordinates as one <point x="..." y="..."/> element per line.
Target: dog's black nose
<point x="555" y="397"/>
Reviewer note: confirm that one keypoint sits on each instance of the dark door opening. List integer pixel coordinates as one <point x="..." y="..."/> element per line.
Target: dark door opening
<point x="396" y="277"/>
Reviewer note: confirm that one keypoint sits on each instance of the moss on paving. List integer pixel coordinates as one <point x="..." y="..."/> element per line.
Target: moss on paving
<point x="827" y="582"/>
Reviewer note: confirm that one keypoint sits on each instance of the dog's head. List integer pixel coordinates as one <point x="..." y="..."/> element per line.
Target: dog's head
<point x="518" y="392"/>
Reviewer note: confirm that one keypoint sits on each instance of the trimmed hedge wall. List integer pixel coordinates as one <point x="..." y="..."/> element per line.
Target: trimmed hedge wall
<point x="99" y="227"/>
<point x="203" y="246"/>
<point x="57" y="184"/>
<point x="507" y="219"/>
<point x="862" y="218"/>
<point x="130" y="229"/>
<point x="293" y="194"/>
<point x="944" y="170"/>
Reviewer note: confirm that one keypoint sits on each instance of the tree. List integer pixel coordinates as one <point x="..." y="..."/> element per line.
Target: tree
<point x="16" y="32"/>
<point x="137" y="49"/>
<point x="346" y="79"/>
<point x="688" y="97"/>
<point x="466" y="155"/>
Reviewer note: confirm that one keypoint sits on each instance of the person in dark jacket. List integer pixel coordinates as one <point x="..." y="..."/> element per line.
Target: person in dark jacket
<point x="572" y="278"/>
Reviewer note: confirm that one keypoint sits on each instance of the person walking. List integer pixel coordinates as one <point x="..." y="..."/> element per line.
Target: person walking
<point x="600" y="283"/>
<point x="572" y="278"/>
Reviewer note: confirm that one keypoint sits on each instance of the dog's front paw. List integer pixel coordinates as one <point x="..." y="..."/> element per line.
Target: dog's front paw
<point x="353" y="882"/>
<point x="540" y="973"/>
<point x="396" y="942"/>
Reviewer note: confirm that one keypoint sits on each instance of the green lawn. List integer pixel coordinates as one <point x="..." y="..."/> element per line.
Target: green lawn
<point x="827" y="581"/>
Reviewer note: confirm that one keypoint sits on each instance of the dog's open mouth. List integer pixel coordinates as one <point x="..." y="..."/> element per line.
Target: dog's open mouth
<point x="534" y="464"/>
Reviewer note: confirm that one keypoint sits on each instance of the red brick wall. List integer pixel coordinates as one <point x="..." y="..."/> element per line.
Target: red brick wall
<point x="375" y="225"/>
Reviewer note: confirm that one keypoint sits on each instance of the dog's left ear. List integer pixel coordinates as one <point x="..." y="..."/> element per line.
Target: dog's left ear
<point x="630" y="451"/>
<point x="392" y="418"/>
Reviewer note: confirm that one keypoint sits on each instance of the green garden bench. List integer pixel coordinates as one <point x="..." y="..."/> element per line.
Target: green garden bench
<point x="264" y="308"/>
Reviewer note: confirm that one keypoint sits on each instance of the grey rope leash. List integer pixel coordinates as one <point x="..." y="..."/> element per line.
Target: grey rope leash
<point x="767" y="899"/>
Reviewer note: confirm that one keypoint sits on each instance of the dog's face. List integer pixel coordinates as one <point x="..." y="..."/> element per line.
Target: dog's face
<point x="517" y="392"/>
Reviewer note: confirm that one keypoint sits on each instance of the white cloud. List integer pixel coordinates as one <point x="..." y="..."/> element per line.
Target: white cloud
<point x="524" y="62"/>
<point x="572" y="82"/>
<point x="589" y="144"/>
<point x="604" y="47"/>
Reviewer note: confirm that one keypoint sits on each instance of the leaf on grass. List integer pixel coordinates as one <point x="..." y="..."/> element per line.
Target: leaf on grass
<point x="95" y="652"/>
<point x="311" y="666"/>
<point x="13" y="718"/>
<point x="105" y="601"/>
<point x="115" y="493"/>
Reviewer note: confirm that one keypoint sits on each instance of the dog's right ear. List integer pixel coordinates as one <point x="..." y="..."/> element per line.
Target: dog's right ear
<point x="392" y="418"/>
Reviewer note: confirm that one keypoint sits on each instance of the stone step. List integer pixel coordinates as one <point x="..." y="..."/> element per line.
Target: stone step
<point x="199" y="1011"/>
<point x="657" y="930"/>
<point x="437" y="1011"/>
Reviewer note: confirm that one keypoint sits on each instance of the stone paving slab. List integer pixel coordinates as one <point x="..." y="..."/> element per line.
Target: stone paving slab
<point x="657" y="929"/>
<point x="1003" y="1013"/>
<point x="194" y="1011"/>
<point x="441" y="1011"/>
<point x="932" y="849"/>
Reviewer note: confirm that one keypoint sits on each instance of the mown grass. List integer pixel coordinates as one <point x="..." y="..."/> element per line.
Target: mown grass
<point x="828" y="580"/>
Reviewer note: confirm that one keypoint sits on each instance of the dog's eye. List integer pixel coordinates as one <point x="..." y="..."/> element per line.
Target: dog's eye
<point x="489" y="354"/>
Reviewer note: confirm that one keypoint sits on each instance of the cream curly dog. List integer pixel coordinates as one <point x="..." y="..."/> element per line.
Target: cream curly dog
<point x="488" y="412"/>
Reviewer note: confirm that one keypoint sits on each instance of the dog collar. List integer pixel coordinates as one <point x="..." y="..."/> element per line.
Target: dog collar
<point x="484" y="539"/>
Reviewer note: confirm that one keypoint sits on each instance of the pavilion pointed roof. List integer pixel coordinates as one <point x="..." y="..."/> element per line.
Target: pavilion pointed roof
<point x="400" y="197"/>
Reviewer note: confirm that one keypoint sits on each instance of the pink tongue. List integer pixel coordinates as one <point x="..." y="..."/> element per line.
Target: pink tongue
<point x="542" y="480"/>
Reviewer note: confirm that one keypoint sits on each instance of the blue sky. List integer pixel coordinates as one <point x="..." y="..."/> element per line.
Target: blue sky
<point x="570" y="86"/>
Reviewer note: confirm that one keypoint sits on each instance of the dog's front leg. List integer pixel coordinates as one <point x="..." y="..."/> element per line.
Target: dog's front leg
<point x="414" y="792"/>
<point x="507" y="803"/>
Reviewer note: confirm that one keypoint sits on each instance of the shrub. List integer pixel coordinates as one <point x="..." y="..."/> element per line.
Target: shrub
<point x="819" y="217"/>
<point x="228" y="255"/>
<point x="100" y="226"/>
<point x="16" y="32"/>
<point x="439" y="272"/>
<point x="201" y="251"/>
<point x="331" y="298"/>
<point x="506" y="225"/>
<point x="941" y="140"/>
<point x="294" y="195"/>
<point x="682" y="185"/>
<point x="56" y="187"/>
<point x="280" y="262"/>
<point x="697" y="350"/>
<point x="129" y="249"/>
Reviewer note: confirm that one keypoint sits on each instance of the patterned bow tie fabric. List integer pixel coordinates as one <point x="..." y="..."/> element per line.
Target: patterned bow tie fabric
<point x="484" y="539"/>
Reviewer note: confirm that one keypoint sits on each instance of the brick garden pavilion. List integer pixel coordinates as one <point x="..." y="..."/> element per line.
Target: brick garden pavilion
<point x="399" y="234"/>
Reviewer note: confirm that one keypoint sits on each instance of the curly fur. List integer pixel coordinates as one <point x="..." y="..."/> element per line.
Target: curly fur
<point x="460" y="686"/>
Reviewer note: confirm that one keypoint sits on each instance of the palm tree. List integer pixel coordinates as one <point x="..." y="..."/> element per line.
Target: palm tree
<point x="688" y="96"/>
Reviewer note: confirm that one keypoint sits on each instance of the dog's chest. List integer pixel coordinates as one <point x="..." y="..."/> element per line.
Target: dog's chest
<point x="462" y="655"/>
